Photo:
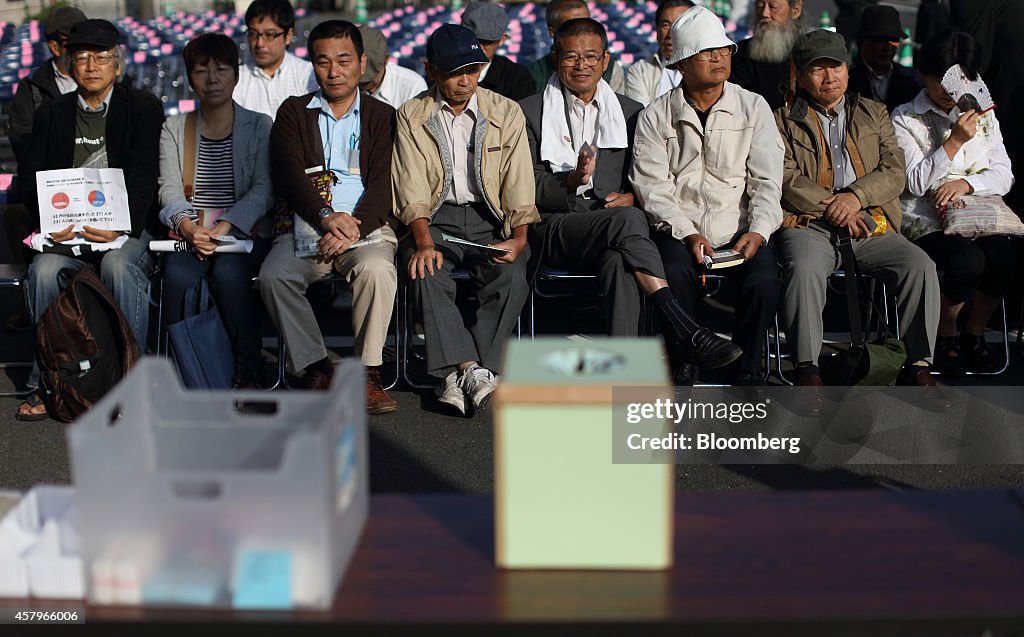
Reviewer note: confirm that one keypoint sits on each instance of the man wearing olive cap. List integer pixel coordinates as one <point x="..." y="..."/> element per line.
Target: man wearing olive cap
<point x="844" y="175"/>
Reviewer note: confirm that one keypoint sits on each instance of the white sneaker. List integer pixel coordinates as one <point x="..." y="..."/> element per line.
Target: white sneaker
<point x="452" y="394"/>
<point x="479" y="383"/>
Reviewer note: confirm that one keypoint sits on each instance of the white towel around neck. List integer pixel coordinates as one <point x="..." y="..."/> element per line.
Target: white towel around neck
<point x="555" y="147"/>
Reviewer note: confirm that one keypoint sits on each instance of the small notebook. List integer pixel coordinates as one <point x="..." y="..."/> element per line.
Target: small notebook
<point x="723" y="259"/>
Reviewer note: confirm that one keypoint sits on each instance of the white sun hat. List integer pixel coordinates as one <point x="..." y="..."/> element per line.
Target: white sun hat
<point x="697" y="30"/>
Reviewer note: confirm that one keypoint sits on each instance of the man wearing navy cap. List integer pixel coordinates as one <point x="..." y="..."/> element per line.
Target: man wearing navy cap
<point x="874" y="75"/>
<point x="101" y="125"/>
<point x="462" y="168"/>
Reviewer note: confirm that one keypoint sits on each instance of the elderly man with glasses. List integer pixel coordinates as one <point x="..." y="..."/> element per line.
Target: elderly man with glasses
<point x="707" y="167"/>
<point x="272" y="74"/>
<point x="101" y="125"/>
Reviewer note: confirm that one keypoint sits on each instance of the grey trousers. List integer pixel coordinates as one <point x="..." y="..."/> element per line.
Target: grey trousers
<point x="809" y="255"/>
<point x="369" y="269"/>
<point x="613" y="243"/>
<point x="501" y="290"/>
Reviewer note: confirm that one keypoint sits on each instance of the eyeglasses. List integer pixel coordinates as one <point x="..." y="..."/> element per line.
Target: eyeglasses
<point x="572" y="59"/>
<point x="101" y="59"/>
<point x="269" y="36"/>
<point x="712" y="54"/>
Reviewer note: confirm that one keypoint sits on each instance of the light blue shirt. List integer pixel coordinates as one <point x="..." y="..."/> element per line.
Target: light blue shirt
<point x="341" y="146"/>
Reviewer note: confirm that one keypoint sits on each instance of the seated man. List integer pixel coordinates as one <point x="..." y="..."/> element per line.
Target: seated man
<point x="856" y="188"/>
<point x="586" y="203"/>
<point x="707" y="166"/>
<point x="462" y="168"/>
<point x="761" y="63"/>
<point x="390" y="83"/>
<point x="874" y="75"/>
<point x="649" y="78"/>
<point x="100" y="125"/>
<point x="346" y="141"/>
<point x="555" y="13"/>
<point x="488" y="22"/>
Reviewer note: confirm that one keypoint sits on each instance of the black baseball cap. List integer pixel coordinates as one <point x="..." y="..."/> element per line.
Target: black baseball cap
<point x="61" y="21"/>
<point x="880" y="21"/>
<point x="453" y="46"/>
<point x="817" y="45"/>
<point x="94" y="32"/>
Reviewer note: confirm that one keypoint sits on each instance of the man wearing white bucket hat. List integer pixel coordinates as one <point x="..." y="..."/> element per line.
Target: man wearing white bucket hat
<point x="707" y="167"/>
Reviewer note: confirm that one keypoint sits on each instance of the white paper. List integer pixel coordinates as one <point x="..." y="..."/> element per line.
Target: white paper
<point x="224" y="246"/>
<point x="94" y="197"/>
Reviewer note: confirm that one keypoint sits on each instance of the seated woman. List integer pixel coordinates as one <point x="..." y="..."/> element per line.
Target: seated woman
<point x="230" y="185"/>
<point x="949" y="154"/>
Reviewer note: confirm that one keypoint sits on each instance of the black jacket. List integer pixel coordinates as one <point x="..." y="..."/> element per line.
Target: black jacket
<point x="903" y="86"/>
<point x="33" y="91"/>
<point x="132" y="141"/>
<point x="611" y="174"/>
<point x="507" y="78"/>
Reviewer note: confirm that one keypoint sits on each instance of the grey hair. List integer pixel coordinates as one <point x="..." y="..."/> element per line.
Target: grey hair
<point x="119" y="59"/>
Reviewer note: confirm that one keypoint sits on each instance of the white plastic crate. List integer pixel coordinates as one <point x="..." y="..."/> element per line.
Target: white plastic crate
<point x="185" y="500"/>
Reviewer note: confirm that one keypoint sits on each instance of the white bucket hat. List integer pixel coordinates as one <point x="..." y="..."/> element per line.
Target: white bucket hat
<point x="697" y="30"/>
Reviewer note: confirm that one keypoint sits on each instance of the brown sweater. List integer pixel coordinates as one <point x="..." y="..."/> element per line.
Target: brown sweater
<point x="295" y="145"/>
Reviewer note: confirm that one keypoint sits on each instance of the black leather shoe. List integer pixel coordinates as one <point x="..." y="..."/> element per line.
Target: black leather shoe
<point x="708" y="350"/>
<point x="684" y="375"/>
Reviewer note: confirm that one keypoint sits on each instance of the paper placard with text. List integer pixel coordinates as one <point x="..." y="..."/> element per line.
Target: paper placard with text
<point x="94" y="197"/>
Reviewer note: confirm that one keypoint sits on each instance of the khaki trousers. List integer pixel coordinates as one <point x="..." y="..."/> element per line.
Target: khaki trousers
<point x="370" y="270"/>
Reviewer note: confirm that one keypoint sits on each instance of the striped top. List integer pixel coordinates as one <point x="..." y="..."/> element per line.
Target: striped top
<point x="215" y="175"/>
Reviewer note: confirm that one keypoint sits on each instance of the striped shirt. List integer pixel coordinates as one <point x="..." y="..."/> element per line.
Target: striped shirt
<point x="215" y="175"/>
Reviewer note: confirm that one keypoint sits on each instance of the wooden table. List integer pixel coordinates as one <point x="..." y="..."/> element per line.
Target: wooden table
<point x="924" y="562"/>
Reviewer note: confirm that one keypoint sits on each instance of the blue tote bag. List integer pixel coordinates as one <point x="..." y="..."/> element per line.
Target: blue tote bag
<point x="200" y="345"/>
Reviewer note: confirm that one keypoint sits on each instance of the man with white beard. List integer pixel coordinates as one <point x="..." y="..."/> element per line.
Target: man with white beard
<point x="761" y="64"/>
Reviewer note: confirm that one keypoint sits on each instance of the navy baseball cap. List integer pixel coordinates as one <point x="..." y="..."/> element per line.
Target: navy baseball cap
<point x="453" y="46"/>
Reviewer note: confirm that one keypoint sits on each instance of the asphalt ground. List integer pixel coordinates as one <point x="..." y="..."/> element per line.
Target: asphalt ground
<point x="420" y="448"/>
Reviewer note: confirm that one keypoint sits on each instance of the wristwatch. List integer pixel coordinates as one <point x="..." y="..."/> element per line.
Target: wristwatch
<point x="325" y="212"/>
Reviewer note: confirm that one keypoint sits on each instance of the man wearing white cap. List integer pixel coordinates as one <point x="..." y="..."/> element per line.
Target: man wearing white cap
<point x="707" y="167"/>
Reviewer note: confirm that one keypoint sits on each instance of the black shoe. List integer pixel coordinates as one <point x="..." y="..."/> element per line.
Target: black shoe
<point x="976" y="356"/>
<point x="708" y="350"/>
<point x="948" y="356"/>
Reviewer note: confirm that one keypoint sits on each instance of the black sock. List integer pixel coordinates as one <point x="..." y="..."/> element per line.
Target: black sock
<point x="807" y="370"/>
<point x="323" y="366"/>
<point x="675" y="320"/>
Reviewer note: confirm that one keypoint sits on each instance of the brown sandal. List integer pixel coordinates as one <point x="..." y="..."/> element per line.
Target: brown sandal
<point x="33" y="401"/>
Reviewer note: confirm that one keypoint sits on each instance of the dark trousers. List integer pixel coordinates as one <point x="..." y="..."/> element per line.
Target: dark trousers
<point x="986" y="264"/>
<point x="612" y="243"/>
<point x="501" y="290"/>
<point x="757" y="294"/>
<point x="230" y="277"/>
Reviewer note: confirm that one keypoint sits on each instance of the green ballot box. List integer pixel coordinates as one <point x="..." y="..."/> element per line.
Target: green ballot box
<point x="560" y="501"/>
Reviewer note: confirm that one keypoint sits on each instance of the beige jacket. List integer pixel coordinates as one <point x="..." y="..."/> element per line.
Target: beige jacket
<point x="718" y="182"/>
<point x="421" y="173"/>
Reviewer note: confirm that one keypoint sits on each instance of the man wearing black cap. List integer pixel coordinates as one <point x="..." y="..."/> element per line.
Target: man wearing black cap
<point x="874" y="75"/>
<point x="462" y="168"/>
<point x="844" y="174"/>
<point x="390" y="83"/>
<point x="488" y="22"/>
<point x="101" y="125"/>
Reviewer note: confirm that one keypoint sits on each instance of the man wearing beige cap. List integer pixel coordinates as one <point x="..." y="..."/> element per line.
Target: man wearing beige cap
<point x="390" y="83"/>
<point x="488" y="22"/>
<point x="707" y="167"/>
<point x="843" y="179"/>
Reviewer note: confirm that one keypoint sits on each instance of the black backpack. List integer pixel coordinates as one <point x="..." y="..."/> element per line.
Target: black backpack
<point x="85" y="345"/>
